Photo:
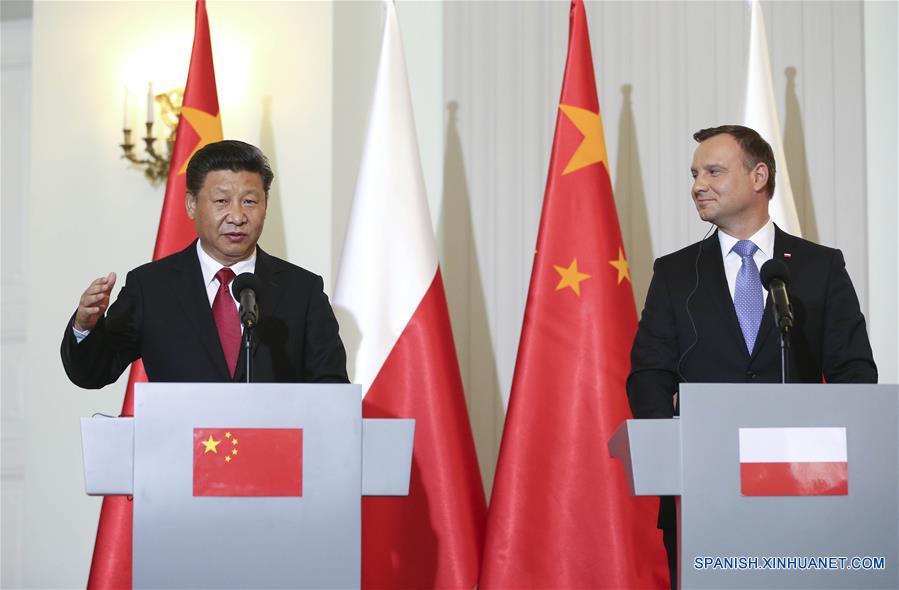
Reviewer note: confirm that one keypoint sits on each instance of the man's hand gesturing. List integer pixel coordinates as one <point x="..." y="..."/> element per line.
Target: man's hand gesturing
<point x="93" y="303"/>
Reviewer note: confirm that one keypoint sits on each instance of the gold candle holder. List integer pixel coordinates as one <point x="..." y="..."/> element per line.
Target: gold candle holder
<point x="155" y="165"/>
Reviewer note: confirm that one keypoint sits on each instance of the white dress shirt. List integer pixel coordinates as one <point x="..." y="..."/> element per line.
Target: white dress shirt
<point x="209" y="267"/>
<point x="764" y="239"/>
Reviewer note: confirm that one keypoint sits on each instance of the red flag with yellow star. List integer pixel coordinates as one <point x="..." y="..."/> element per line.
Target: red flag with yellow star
<point x="200" y="123"/>
<point x="248" y="462"/>
<point x="560" y="514"/>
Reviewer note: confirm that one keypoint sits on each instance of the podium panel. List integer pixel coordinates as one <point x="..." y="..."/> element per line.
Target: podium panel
<point x="781" y="486"/>
<point x="791" y="538"/>
<point x="185" y="541"/>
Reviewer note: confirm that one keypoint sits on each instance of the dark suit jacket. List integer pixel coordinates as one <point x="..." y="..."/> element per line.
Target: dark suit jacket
<point x="829" y="336"/>
<point x="162" y="315"/>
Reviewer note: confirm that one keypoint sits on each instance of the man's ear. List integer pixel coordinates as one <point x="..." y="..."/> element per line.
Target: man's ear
<point x="760" y="176"/>
<point x="190" y="202"/>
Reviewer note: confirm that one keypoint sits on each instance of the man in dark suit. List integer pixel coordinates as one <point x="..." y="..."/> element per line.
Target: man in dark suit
<point x="706" y="318"/>
<point x="178" y="313"/>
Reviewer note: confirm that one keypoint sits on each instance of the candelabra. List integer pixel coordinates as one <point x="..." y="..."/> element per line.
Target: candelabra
<point x="154" y="164"/>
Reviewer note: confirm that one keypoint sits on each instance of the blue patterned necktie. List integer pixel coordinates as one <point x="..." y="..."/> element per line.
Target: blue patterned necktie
<point x="748" y="293"/>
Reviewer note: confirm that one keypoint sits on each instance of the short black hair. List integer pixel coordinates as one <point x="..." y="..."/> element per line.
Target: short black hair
<point x="755" y="148"/>
<point x="229" y="154"/>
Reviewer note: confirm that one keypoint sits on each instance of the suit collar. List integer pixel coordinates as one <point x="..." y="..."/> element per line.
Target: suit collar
<point x="269" y="272"/>
<point x="763" y="238"/>
<point x="210" y="266"/>
<point x="187" y="282"/>
<point x="268" y="269"/>
<point x="782" y="242"/>
<point x="712" y="266"/>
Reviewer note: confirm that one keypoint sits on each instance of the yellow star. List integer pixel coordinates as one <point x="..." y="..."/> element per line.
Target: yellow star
<point x="227" y="435"/>
<point x="234" y="441"/>
<point x="227" y="459"/>
<point x="208" y="127"/>
<point x="571" y="277"/>
<point x="593" y="146"/>
<point x="624" y="271"/>
<point x="233" y="451"/>
<point x="210" y="445"/>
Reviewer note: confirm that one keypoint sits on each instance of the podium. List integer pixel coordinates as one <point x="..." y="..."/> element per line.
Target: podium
<point x="247" y="485"/>
<point x="780" y="486"/>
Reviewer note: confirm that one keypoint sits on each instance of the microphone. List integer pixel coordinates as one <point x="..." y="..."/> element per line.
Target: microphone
<point x="245" y="287"/>
<point x="775" y="277"/>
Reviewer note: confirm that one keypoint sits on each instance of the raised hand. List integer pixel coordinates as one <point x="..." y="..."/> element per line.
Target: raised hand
<point x="93" y="303"/>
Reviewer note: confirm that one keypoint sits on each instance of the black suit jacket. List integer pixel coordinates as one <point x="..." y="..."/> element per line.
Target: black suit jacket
<point x="162" y="315"/>
<point x="829" y="340"/>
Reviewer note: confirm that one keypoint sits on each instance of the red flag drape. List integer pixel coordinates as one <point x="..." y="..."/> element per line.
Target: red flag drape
<point x="432" y="537"/>
<point x="560" y="514"/>
<point x="200" y="123"/>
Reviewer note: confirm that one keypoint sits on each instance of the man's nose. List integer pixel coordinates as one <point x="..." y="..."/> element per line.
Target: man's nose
<point x="236" y="214"/>
<point x="699" y="186"/>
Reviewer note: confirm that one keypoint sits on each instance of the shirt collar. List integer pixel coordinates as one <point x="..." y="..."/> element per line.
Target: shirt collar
<point x="764" y="239"/>
<point x="209" y="266"/>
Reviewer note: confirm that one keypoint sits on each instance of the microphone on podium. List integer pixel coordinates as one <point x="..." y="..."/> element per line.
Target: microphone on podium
<point x="245" y="288"/>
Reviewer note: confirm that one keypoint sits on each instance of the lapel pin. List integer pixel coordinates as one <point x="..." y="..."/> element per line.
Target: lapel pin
<point x="787" y="255"/>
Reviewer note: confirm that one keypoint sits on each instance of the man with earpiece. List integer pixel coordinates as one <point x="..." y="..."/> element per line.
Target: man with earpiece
<point x="706" y="318"/>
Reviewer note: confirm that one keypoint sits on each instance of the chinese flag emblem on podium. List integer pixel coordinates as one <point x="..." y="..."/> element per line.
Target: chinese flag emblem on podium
<point x="248" y="462"/>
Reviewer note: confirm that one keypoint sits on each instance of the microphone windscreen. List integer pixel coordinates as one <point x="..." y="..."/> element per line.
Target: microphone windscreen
<point x="774" y="269"/>
<point x="245" y="280"/>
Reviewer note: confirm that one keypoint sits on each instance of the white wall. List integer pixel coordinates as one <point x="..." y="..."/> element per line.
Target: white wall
<point x="16" y="125"/>
<point x="882" y="135"/>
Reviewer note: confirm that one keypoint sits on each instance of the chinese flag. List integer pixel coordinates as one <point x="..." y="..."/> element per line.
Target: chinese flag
<point x="248" y="462"/>
<point x="200" y="123"/>
<point x="560" y="514"/>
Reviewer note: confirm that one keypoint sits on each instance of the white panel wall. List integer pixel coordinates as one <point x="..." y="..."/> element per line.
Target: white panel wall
<point x="882" y="137"/>
<point x="16" y="125"/>
<point x="663" y="71"/>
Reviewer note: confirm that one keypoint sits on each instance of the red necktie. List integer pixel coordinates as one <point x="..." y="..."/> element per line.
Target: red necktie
<point x="225" y="314"/>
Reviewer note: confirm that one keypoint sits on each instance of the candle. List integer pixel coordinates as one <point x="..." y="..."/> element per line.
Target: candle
<point x="150" y="102"/>
<point x="126" y="119"/>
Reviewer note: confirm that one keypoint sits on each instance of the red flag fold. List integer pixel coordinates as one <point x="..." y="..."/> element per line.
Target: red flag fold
<point x="560" y="514"/>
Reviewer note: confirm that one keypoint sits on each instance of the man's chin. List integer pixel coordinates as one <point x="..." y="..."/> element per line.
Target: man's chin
<point x="706" y="214"/>
<point x="235" y="254"/>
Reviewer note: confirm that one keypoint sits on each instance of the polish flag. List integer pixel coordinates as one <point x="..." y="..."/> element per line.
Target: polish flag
<point x="793" y="462"/>
<point x="395" y="323"/>
<point x="761" y="114"/>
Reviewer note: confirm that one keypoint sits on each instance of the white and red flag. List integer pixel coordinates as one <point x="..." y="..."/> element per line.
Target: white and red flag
<point x="793" y="462"/>
<point x="761" y="114"/>
<point x="394" y="320"/>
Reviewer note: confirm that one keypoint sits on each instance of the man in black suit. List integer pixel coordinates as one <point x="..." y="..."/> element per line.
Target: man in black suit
<point x="178" y="313"/>
<point x="706" y="319"/>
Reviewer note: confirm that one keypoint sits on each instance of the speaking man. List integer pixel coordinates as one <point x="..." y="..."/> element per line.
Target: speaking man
<point x="706" y="318"/>
<point x="178" y="313"/>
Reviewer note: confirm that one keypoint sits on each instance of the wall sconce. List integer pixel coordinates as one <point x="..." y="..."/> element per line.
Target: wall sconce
<point x="154" y="164"/>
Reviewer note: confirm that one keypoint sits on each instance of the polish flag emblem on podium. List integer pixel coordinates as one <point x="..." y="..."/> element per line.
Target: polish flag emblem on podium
<point x="793" y="462"/>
